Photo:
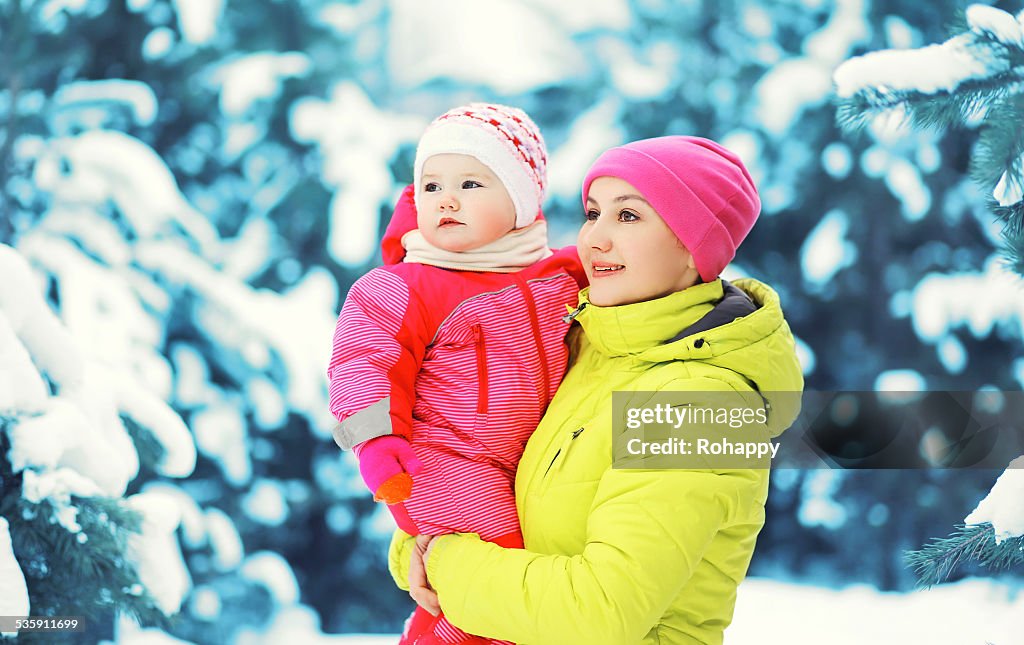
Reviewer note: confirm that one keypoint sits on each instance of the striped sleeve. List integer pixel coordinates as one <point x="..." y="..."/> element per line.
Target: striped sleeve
<point x="379" y="343"/>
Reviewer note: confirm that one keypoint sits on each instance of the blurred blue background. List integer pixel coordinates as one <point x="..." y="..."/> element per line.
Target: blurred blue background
<point x="196" y="184"/>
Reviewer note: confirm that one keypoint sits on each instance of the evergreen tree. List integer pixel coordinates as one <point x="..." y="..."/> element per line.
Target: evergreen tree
<point x="184" y="257"/>
<point x="70" y="534"/>
<point x="972" y="79"/>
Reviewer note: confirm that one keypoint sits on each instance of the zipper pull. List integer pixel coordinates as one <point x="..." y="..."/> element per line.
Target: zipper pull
<point x="569" y="317"/>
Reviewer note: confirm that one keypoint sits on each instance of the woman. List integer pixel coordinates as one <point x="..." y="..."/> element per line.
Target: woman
<point x="625" y="555"/>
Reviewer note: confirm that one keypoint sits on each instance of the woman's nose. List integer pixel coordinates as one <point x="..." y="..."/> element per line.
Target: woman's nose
<point x="596" y="236"/>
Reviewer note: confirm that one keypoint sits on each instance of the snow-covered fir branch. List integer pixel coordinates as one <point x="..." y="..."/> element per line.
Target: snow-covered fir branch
<point x="65" y="460"/>
<point x="974" y="78"/>
<point x="992" y="48"/>
<point x="937" y="560"/>
<point x="88" y="378"/>
<point x="992" y="534"/>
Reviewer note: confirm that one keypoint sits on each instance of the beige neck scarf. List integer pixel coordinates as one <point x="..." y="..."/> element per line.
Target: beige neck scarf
<point x="513" y="251"/>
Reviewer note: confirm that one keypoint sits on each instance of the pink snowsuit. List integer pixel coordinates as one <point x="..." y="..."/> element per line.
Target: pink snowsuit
<point x="463" y="364"/>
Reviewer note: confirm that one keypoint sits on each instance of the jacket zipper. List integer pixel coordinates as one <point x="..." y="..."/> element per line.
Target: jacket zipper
<point x="558" y="452"/>
<point x="531" y="308"/>
<point x="565" y="446"/>
<point x="571" y="316"/>
<point x="481" y="370"/>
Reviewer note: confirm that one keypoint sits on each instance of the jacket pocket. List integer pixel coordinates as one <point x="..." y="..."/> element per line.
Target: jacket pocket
<point x="481" y="370"/>
<point x="563" y="450"/>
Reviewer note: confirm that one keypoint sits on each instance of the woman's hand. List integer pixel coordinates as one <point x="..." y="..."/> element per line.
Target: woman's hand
<point x="419" y="586"/>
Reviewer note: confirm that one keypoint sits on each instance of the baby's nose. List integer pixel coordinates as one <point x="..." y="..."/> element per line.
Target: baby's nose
<point x="448" y="202"/>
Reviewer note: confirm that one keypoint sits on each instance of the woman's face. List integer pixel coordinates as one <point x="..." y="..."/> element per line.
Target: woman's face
<point x="629" y="253"/>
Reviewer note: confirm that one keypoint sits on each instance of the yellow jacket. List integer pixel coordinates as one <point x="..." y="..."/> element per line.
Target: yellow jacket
<point x="623" y="556"/>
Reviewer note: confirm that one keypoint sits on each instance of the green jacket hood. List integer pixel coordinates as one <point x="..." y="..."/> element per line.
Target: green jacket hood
<point x="737" y="326"/>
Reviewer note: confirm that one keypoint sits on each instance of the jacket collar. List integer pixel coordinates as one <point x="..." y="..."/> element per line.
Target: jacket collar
<point x="631" y="329"/>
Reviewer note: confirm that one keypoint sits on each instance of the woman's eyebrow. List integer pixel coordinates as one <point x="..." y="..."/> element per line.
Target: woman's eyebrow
<point x="623" y="198"/>
<point x="626" y="198"/>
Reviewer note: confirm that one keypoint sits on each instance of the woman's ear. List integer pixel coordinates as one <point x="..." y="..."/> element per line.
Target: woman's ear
<point x="690" y="263"/>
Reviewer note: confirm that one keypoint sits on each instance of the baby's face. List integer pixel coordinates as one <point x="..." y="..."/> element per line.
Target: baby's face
<point x="461" y="205"/>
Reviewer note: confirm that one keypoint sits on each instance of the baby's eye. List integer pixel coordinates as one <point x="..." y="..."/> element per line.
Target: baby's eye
<point x="591" y="215"/>
<point x="628" y="216"/>
<point x="432" y="187"/>
<point x="469" y="183"/>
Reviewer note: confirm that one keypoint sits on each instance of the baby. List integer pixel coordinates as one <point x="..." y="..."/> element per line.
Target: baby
<point x="446" y="358"/>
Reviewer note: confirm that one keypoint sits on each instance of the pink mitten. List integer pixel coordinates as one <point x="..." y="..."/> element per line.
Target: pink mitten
<point x="387" y="465"/>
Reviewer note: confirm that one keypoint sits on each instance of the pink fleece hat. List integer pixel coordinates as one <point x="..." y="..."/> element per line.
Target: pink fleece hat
<point x="699" y="188"/>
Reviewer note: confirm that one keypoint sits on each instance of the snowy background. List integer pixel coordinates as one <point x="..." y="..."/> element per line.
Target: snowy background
<point x="189" y="187"/>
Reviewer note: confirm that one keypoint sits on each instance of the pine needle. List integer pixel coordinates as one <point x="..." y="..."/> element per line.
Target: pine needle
<point x="977" y="543"/>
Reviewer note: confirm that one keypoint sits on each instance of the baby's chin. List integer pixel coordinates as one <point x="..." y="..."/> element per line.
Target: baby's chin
<point x="455" y="243"/>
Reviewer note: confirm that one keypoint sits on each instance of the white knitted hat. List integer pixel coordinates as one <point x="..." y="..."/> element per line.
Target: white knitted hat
<point x="502" y="138"/>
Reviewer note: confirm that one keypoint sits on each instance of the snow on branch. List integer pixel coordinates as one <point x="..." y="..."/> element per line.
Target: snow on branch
<point x="80" y="426"/>
<point x="992" y="535"/>
<point x="974" y="78"/>
<point x="927" y="70"/>
<point x="992" y="46"/>
<point x="1003" y="507"/>
<point x="984" y="62"/>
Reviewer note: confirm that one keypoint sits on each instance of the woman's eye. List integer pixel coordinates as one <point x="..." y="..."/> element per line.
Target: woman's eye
<point x="471" y="184"/>
<point x="432" y="187"/>
<point x="591" y="215"/>
<point x="627" y="216"/>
